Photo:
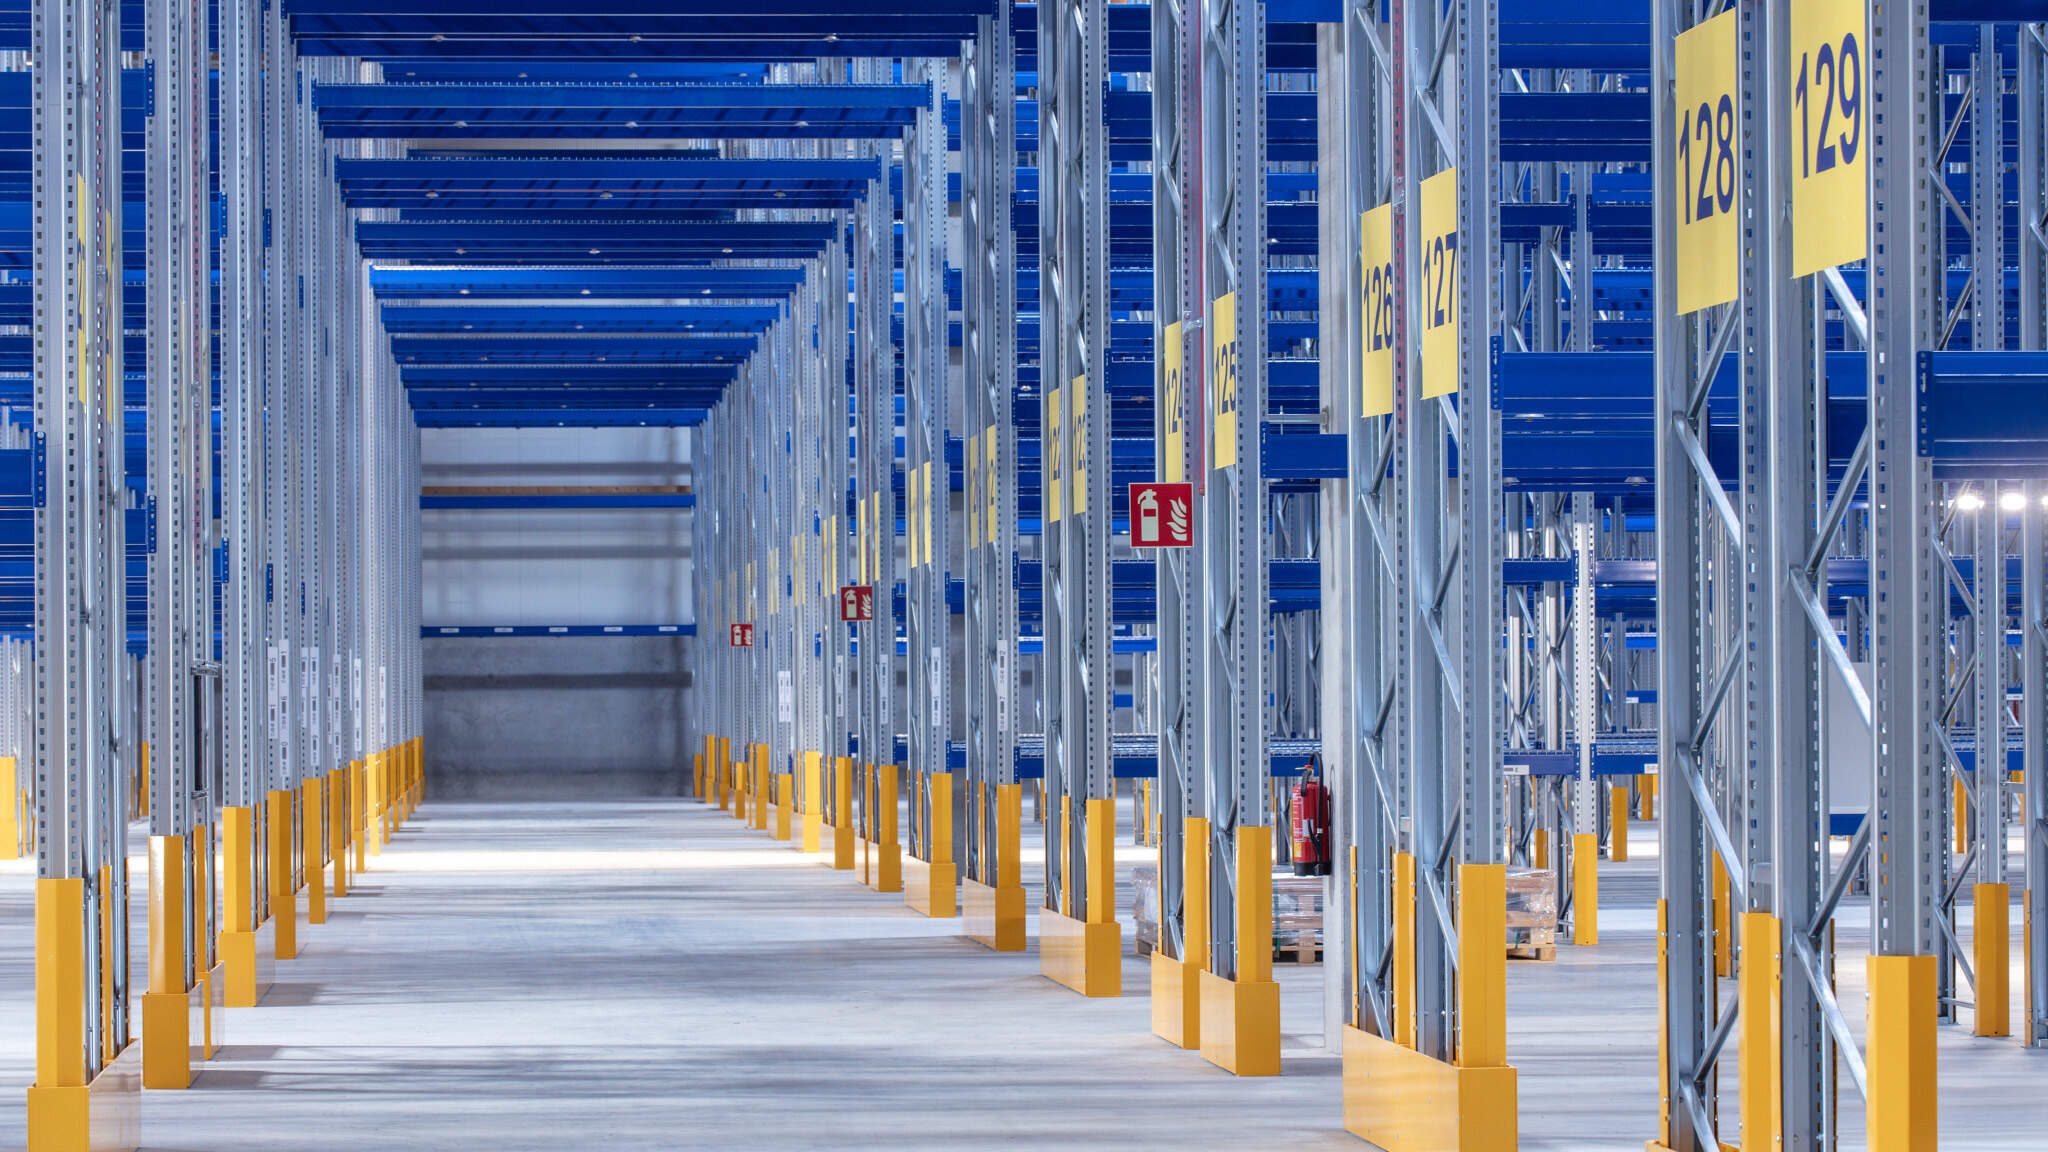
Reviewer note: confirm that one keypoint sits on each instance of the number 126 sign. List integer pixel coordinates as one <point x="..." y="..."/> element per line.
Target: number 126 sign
<point x="1162" y="515"/>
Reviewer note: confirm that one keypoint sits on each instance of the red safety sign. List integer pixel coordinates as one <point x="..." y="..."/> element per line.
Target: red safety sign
<point x="857" y="602"/>
<point x="743" y="635"/>
<point x="1162" y="515"/>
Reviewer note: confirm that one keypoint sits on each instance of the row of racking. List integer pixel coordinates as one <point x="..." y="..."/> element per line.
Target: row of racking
<point x="1568" y="402"/>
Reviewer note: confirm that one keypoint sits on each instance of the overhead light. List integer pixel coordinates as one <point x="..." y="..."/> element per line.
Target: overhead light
<point x="462" y="251"/>
<point x="2012" y="500"/>
<point x="1970" y="502"/>
<point x="727" y="251"/>
<point x="586" y="291"/>
<point x="593" y="251"/>
<point x="604" y="195"/>
<point x="433" y="195"/>
<point x="462" y="291"/>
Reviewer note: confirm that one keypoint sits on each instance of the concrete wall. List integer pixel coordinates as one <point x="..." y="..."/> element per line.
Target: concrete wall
<point x="539" y="717"/>
<point x="585" y="717"/>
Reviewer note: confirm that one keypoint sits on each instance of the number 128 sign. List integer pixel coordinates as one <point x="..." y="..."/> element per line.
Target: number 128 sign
<point x="1162" y="515"/>
<point x="1708" y="79"/>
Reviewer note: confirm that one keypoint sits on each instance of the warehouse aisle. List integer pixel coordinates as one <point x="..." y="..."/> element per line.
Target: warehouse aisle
<point x="652" y="975"/>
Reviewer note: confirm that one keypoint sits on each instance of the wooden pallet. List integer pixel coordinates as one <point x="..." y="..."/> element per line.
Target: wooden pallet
<point x="1532" y="944"/>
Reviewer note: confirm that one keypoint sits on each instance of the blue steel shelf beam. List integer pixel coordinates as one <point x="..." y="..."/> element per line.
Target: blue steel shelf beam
<point x="639" y="110"/>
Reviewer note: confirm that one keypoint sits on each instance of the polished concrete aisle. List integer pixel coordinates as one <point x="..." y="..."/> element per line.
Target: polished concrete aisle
<point x="652" y="975"/>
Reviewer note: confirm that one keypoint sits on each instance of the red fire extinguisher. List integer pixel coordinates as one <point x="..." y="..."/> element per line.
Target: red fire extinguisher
<point x="1308" y="820"/>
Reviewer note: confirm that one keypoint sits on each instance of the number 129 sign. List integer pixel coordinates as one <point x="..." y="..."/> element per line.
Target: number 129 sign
<point x="1830" y="194"/>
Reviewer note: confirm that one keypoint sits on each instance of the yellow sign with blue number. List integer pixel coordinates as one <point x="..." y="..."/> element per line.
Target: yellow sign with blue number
<point x="1174" y="449"/>
<point x="1077" y="395"/>
<point x="1709" y="176"/>
<point x="1054" y="482"/>
<point x="1376" y="311"/>
<point x="989" y="485"/>
<point x="1830" y="191"/>
<point x="1223" y="372"/>
<point x="1435" y="313"/>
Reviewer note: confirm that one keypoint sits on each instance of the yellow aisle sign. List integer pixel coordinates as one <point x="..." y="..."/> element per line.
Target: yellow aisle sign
<point x="1436" y="313"/>
<point x="970" y="462"/>
<point x="1376" y="311"/>
<point x="1223" y="382"/>
<point x="860" y="540"/>
<point x="1709" y="170"/>
<point x="924" y="509"/>
<point x="910" y="519"/>
<point x="989" y="486"/>
<point x="1054" y="482"/>
<point x="1077" y="395"/>
<point x="828" y="554"/>
<point x="1175" y="459"/>
<point x="1830" y="196"/>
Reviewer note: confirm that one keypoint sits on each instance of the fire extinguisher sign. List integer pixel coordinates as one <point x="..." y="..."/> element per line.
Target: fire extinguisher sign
<point x="856" y="602"/>
<point x="1162" y="515"/>
<point x="743" y="635"/>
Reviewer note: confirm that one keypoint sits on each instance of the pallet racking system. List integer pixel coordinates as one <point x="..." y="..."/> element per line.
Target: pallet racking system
<point x="1546" y="480"/>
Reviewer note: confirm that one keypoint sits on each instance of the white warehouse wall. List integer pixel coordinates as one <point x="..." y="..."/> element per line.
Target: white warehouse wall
<point x="524" y="718"/>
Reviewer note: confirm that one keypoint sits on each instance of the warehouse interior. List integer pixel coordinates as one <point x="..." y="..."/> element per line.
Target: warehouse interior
<point x="1439" y="575"/>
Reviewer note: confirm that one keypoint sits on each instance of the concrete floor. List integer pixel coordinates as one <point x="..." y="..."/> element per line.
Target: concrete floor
<point x="652" y="975"/>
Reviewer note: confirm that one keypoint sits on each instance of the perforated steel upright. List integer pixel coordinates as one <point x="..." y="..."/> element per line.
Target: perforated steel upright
<point x="928" y="621"/>
<point x="989" y="362"/>
<point x="2033" y="334"/>
<point x="81" y="797"/>
<point x="1079" y="929"/>
<point x="1178" y="309"/>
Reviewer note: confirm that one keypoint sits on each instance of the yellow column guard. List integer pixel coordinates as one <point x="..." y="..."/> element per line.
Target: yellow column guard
<point x="1482" y="966"/>
<point x="1902" y="1107"/>
<point x="1760" y="1054"/>
<point x="1585" y="888"/>
<point x="284" y="905"/>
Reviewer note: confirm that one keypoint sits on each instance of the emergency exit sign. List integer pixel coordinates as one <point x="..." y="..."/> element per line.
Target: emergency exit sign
<point x="1162" y="515"/>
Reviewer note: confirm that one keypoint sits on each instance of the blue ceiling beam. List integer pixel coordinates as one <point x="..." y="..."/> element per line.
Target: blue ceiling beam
<point x="625" y="240"/>
<point x="418" y="319"/>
